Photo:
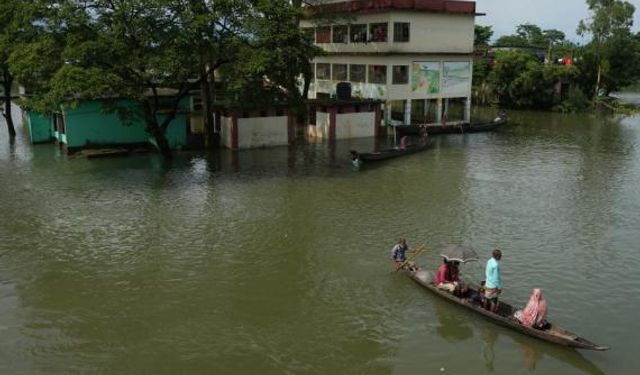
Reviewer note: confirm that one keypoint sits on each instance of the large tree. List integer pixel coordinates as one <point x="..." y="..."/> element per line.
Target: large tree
<point x="532" y="36"/>
<point x="521" y="81"/>
<point x="12" y="15"/>
<point x="136" y="49"/>
<point x="482" y="36"/>
<point x="274" y="64"/>
<point x="609" y="19"/>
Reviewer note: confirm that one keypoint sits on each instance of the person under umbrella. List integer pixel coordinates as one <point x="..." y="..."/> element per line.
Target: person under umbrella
<point x="447" y="277"/>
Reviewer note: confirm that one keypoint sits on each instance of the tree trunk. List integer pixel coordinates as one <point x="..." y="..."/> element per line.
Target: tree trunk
<point x="207" y="108"/>
<point x="7" y="83"/>
<point x="157" y="132"/>
<point x="163" y="143"/>
<point x="598" y="77"/>
<point x="599" y="73"/>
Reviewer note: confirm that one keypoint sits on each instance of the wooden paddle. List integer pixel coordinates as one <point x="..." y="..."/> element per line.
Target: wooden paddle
<point x="417" y="251"/>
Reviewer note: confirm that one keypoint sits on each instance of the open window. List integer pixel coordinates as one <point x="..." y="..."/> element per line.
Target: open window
<point x="323" y="34"/>
<point x="339" y="72"/>
<point x="357" y="73"/>
<point x="400" y="75"/>
<point x="378" y="74"/>
<point x="340" y="34"/>
<point x="401" y="32"/>
<point x="378" y="32"/>
<point x="358" y="33"/>
<point x="323" y="71"/>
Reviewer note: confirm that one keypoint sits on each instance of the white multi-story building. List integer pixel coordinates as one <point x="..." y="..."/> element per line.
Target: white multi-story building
<point x="416" y="55"/>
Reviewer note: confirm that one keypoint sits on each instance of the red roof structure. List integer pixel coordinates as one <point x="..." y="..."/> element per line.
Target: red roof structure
<point x="371" y="6"/>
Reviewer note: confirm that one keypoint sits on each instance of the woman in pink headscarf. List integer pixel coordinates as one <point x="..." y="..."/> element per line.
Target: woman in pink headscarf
<point x="535" y="313"/>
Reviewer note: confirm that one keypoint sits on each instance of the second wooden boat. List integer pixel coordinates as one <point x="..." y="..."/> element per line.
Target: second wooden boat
<point x="391" y="152"/>
<point x="458" y="128"/>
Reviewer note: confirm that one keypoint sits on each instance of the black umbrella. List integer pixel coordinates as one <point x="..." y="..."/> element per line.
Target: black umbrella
<point x="459" y="253"/>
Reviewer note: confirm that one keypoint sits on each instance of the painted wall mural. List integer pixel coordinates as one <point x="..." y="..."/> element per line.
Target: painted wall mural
<point x="456" y="78"/>
<point x="425" y="77"/>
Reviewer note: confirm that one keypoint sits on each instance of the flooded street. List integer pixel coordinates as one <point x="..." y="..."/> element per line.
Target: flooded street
<point x="275" y="261"/>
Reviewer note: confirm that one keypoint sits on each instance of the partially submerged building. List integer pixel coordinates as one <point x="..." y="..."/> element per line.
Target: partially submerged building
<point x="415" y="55"/>
<point x="110" y="123"/>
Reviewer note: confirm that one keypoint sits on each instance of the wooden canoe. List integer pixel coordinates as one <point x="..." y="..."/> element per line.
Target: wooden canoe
<point x="392" y="152"/>
<point x="452" y="128"/>
<point x="504" y="316"/>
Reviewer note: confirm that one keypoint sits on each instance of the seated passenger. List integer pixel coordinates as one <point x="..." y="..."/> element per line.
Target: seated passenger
<point x="479" y="297"/>
<point x="447" y="276"/>
<point x="535" y="313"/>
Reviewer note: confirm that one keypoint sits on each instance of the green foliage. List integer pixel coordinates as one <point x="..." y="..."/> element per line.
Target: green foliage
<point x="610" y="26"/>
<point x="619" y="61"/>
<point x="607" y="17"/>
<point x="520" y="81"/>
<point x="576" y="102"/>
<point x="270" y="65"/>
<point x="531" y="36"/>
<point x="482" y="36"/>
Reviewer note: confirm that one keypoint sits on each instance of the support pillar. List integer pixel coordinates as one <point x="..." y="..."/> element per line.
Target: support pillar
<point x="234" y="131"/>
<point x="387" y="113"/>
<point x="376" y="121"/>
<point x="425" y="110"/>
<point x="332" y="123"/>
<point x="445" y="113"/>
<point x="467" y="110"/>
<point x="439" y="110"/>
<point x="407" y="112"/>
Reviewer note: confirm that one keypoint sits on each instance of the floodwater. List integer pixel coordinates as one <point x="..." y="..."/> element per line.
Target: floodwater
<point x="275" y="261"/>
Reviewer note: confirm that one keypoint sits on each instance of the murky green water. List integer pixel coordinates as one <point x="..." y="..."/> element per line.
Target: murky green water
<point x="275" y="261"/>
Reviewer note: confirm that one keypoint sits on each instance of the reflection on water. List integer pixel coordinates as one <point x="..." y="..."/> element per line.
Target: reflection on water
<point x="275" y="261"/>
<point x="532" y="351"/>
<point x="489" y="338"/>
<point x="452" y="327"/>
<point x="456" y="325"/>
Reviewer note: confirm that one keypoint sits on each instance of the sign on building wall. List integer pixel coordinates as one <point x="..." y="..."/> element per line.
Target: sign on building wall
<point x="456" y="80"/>
<point x="425" y="77"/>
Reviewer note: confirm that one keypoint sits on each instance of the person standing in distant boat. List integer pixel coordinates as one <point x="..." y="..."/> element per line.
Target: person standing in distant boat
<point x="493" y="281"/>
<point x="399" y="251"/>
<point x="355" y="159"/>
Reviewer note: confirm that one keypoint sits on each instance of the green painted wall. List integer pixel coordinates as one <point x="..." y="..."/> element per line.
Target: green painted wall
<point x="40" y="127"/>
<point x="87" y="125"/>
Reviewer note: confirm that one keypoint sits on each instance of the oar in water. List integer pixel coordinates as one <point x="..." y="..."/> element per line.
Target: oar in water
<point x="416" y="252"/>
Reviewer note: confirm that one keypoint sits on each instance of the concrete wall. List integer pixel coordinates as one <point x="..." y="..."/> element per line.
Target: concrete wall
<point x="355" y="125"/>
<point x="347" y="125"/>
<point x="321" y="130"/>
<point x="254" y="132"/>
<point x="225" y="131"/>
<point x="263" y="131"/>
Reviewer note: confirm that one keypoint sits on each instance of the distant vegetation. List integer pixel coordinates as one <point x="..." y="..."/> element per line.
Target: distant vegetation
<point x="522" y="70"/>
